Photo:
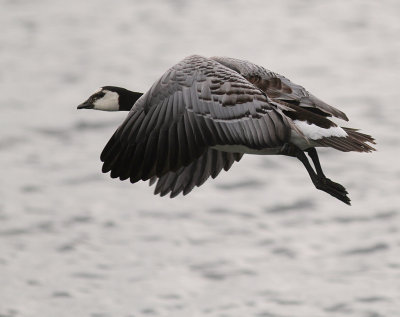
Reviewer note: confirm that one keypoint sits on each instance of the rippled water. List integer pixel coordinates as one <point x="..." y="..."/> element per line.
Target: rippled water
<point x="259" y="240"/>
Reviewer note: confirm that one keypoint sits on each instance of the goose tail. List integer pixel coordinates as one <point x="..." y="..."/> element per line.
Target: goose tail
<point x="354" y="141"/>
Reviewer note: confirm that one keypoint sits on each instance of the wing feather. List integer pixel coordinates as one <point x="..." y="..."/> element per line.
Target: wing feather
<point x="278" y="87"/>
<point x="210" y="163"/>
<point x="197" y="104"/>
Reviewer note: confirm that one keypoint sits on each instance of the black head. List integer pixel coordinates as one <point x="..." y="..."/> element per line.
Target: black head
<point x="110" y="98"/>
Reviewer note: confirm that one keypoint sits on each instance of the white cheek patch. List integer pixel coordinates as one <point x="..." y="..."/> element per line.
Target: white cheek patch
<point x="109" y="102"/>
<point x="315" y="132"/>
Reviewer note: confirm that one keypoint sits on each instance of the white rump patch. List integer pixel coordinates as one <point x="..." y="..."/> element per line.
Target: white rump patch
<point x="109" y="102"/>
<point x="315" y="132"/>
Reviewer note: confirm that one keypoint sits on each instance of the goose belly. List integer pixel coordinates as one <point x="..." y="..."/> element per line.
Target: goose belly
<point x="301" y="142"/>
<point x="246" y="150"/>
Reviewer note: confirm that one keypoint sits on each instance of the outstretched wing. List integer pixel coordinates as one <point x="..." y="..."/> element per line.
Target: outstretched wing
<point x="279" y="88"/>
<point x="198" y="103"/>
<point x="210" y="163"/>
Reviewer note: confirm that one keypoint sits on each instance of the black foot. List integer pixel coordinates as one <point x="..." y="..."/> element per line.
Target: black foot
<point x="332" y="188"/>
<point x="318" y="178"/>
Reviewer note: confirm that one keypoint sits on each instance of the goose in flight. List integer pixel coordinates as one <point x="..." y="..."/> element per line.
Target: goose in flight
<point x="204" y="114"/>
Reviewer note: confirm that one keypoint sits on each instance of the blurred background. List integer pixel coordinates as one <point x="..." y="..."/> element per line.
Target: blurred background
<point x="259" y="240"/>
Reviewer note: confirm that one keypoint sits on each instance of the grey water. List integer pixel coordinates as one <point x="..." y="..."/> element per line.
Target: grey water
<point x="257" y="241"/>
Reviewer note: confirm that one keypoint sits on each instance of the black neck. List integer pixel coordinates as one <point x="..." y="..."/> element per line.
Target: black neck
<point x="128" y="99"/>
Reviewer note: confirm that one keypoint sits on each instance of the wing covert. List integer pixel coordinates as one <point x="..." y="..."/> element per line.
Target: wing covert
<point x="278" y="87"/>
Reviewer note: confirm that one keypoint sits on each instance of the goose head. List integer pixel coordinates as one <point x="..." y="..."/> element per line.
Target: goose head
<point x="111" y="98"/>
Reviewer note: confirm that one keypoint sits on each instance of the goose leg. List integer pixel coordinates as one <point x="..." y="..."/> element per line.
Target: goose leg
<point x="312" y="153"/>
<point x="319" y="180"/>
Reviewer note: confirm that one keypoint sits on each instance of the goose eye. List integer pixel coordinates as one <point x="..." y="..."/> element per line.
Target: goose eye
<point x="96" y="96"/>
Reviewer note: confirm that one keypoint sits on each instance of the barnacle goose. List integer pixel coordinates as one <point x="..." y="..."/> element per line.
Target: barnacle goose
<point x="203" y="114"/>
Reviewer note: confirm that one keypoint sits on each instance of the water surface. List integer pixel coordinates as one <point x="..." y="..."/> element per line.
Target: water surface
<point x="259" y="240"/>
